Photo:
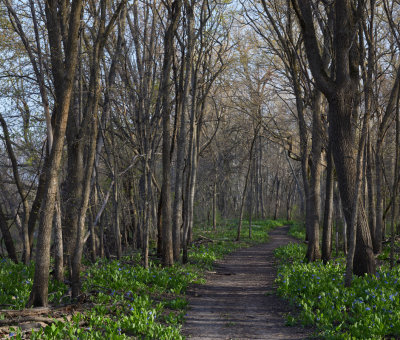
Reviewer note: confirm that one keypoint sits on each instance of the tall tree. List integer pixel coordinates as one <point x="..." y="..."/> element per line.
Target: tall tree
<point x="174" y="13"/>
<point x="63" y="62"/>
<point x="341" y="90"/>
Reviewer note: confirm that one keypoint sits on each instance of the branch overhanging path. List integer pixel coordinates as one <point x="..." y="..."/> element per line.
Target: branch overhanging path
<point x="239" y="299"/>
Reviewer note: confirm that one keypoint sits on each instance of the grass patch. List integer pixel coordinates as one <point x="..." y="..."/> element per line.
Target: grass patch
<point x="297" y="230"/>
<point x="369" y="309"/>
<point x="126" y="300"/>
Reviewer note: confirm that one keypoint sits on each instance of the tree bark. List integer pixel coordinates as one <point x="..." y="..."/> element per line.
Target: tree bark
<point x="7" y="237"/>
<point x="328" y="211"/>
<point x="246" y="181"/>
<point x="174" y="12"/>
<point x="344" y="154"/>
<point x="58" y="242"/>
<point x="214" y="204"/>
<point x="314" y="199"/>
<point x="277" y="198"/>
<point x="182" y="99"/>
<point x="63" y="73"/>
<point x="191" y="182"/>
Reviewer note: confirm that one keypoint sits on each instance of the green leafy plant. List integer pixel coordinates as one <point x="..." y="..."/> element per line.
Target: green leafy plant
<point x="369" y="309"/>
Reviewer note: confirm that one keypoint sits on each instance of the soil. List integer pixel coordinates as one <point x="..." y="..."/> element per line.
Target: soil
<point x="239" y="300"/>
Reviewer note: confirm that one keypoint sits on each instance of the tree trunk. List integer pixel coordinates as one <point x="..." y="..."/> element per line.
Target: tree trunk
<point x="260" y="179"/>
<point x="289" y="203"/>
<point x="116" y="224"/>
<point x="73" y="188"/>
<point x="79" y="242"/>
<point x="58" y="242"/>
<point x="395" y="186"/>
<point x="190" y="187"/>
<point x="214" y="204"/>
<point x="63" y="72"/>
<point x="36" y="205"/>
<point x="159" y="227"/>
<point x="7" y="237"/>
<point x="328" y="211"/>
<point x="173" y="19"/>
<point x="277" y="198"/>
<point x="251" y="196"/>
<point x="341" y="132"/>
<point x="246" y="181"/>
<point x="146" y="216"/>
<point x="92" y="220"/>
<point x="342" y="93"/>
<point x="314" y="199"/>
<point x="185" y="77"/>
<point x="371" y="191"/>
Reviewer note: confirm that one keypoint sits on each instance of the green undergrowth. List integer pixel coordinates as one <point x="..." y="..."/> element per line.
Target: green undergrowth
<point x="369" y="309"/>
<point x="297" y="230"/>
<point x="122" y="299"/>
<point x="16" y="283"/>
<point x="213" y="245"/>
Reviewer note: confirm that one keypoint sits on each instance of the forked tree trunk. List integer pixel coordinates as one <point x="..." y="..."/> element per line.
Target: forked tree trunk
<point x="63" y="73"/>
<point x="344" y="153"/>
<point x="341" y="91"/>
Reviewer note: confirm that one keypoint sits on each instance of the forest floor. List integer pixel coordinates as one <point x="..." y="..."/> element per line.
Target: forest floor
<point x="239" y="301"/>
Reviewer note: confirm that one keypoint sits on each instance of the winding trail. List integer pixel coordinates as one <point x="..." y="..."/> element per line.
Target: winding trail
<point x="238" y="301"/>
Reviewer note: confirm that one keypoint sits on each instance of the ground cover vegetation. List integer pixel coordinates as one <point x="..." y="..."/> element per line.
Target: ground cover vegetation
<point x="369" y="309"/>
<point x="121" y="299"/>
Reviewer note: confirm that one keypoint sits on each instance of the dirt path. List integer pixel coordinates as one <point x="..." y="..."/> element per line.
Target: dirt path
<point x="238" y="301"/>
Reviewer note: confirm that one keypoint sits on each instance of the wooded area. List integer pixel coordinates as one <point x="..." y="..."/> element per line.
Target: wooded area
<point x="124" y="123"/>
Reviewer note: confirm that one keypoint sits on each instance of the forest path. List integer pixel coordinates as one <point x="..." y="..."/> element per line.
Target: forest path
<point x="239" y="301"/>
